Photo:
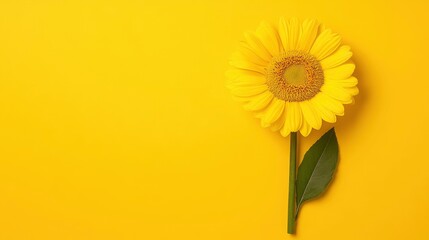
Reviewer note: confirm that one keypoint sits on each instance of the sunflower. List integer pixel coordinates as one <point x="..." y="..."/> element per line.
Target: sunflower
<point x="293" y="76"/>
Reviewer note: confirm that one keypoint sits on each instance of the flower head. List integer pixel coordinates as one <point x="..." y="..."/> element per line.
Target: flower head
<point x="293" y="76"/>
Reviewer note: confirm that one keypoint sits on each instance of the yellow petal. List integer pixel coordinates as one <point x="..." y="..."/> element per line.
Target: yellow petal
<point x="339" y="73"/>
<point x="269" y="38"/>
<point x="305" y="128"/>
<point x="246" y="80"/>
<point x="248" y="91"/>
<point x="256" y="46"/>
<point x="289" y="32"/>
<point x="234" y="73"/>
<point x="285" y="131"/>
<point x="353" y="91"/>
<point x="325" y="44"/>
<point x="337" y="58"/>
<point x="245" y="54"/>
<point x="242" y="99"/>
<point x="322" y="28"/>
<point x="294" y="33"/>
<point x="246" y="65"/>
<point x="325" y="113"/>
<point x="294" y="116"/>
<point x="259" y="102"/>
<point x="329" y="103"/>
<point x="308" y="35"/>
<point x="346" y="83"/>
<point x="338" y="93"/>
<point x="311" y="115"/>
<point x="284" y="33"/>
<point x="273" y="112"/>
<point x="277" y="125"/>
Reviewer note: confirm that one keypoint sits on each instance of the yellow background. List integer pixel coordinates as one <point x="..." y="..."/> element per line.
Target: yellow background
<point x="115" y="124"/>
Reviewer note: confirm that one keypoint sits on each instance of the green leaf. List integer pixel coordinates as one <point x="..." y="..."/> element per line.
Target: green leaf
<point x="317" y="168"/>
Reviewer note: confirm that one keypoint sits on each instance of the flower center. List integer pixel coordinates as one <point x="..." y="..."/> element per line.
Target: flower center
<point x="294" y="76"/>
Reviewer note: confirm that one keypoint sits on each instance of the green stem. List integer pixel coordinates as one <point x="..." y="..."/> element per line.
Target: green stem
<point x="292" y="179"/>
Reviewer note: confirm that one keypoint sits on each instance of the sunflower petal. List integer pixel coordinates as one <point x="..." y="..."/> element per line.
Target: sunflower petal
<point x="325" y="44"/>
<point x="294" y="116"/>
<point x="337" y="58"/>
<point x="308" y="35"/>
<point x="305" y="128"/>
<point x="246" y="65"/>
<point x="353" y="91"/>
<point x="325" y="113"/>
<point x="245" y="54"/>
<point x="256" y="46"/>
<point x="269" y="38"/>
<point x="346" y="83"/>
<point x="242" y="99"/>
<point x="248" y="91"/>
<point x="339" y="73"/>
<point x="234" y="73"/>
<point x="284" y="33"/>
<point x="259" y="102"/>
<point x="338" y="93"/>
<point x="277" y="125"/>
<point x="289" y="32"/>
<point x="329" y="103"/>
<point x="246" y="80"/>
<point x="285" y="131"/>
<point x="294" y="33"/>
<point x="273" y="112"/>
<point x="311" y="115"/>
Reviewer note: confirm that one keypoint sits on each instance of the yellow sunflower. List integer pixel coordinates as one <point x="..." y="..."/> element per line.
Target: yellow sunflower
<point x="293" y="76"/>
